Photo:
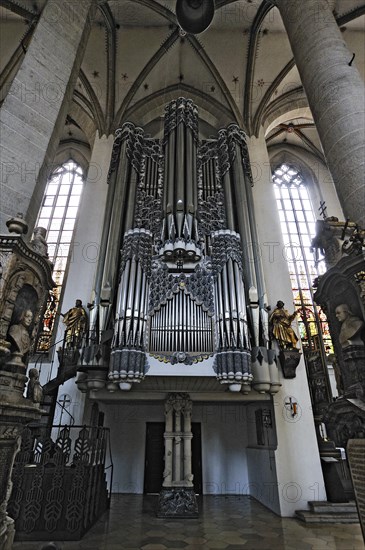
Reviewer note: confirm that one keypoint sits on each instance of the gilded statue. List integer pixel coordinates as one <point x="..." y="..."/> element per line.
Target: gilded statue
<point x="19" y="334"/>
<point x="351" y="327"/>
<point x="76" y="322"/>
<point x="280" y="323"/>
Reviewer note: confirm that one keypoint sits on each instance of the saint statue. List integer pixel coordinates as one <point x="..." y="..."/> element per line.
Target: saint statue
<point x="280" y="323"/>
<point x="19" y="333"/>
<point x="34" y="389"/>
<point x="76" y="322"/>
<point x="351" y="327"/>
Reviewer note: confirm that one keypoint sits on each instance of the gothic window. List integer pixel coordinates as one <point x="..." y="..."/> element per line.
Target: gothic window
<point x="58" y="215"/>
<point x="298" y="227"/>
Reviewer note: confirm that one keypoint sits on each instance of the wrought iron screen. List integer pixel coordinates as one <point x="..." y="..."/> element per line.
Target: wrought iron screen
<point x="60" y="486"/>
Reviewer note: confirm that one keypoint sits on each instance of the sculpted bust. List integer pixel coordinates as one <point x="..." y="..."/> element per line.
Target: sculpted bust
<point x="351" y="327"/>
<point x="19" y="333"/>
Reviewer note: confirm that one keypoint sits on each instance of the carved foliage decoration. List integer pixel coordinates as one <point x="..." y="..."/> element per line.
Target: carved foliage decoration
<point x="164" y="284"/>
<point x="133" y="136"/>
<point x="148" y="212"/>
<point x="225" y="246"/>
<point x="227" y="140"/>
<point x="211" y="213"/>
<point x="137" y="244"/>
<point x="181" y="111"/>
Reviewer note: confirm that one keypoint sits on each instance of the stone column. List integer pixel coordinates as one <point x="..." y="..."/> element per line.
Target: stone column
<point x="335" y="93"/>
<point x="34" y="111"/>
<point x="169" y="423"/>
<point x="177" y="446"/>
<point x="177" y="496"/>
<point x="188" y="476"/>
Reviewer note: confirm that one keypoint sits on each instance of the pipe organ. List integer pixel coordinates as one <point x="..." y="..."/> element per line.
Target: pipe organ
<point x="183" y="221"/>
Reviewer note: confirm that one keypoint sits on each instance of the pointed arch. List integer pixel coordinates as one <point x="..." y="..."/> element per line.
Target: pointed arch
<point x="210" y="110"/>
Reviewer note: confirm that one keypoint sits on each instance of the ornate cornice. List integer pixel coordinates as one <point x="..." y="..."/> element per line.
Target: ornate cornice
<point x="15" y="244"/>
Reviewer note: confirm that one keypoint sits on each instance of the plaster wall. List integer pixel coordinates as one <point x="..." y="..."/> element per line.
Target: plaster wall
<point x="299" y="472"/>
<point x="261" y="458"/>
<point x="224" y="440"/>
<point x="263" y="485"/>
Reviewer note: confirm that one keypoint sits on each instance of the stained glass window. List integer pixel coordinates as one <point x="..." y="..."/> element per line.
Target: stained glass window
<point x="58" y="215"/>
<point x="298" y="227"/>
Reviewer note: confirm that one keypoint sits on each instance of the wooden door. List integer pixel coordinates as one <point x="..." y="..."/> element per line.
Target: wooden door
<point x="155" y="457"/>
<point x="196" y="451"/>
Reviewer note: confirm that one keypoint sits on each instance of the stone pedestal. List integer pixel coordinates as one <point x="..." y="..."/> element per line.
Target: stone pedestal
<point x="15" y="412"/>
<point x="13" y="416"/>
<point x="177" y="502"/>
<point x="289" y="360"/>
<point x="353" y="373"/>
<point x="356" y="456"/>
<point x="24" y="283"/>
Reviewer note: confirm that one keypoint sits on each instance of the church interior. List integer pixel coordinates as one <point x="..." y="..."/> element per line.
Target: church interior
<point x="182" y="274"/>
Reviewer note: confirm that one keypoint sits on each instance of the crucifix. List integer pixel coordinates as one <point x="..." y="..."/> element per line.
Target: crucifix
<point x="292" y="406"/>
<point x="64" y="401"/>
<point x="323" y="209"/>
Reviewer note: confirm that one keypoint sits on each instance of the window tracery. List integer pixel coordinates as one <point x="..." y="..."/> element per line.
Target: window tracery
<point x="297" y="222"/>
<point x="58" y="216"/>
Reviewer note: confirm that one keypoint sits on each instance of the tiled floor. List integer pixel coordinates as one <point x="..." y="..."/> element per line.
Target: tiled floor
<point x="229" y="523"/>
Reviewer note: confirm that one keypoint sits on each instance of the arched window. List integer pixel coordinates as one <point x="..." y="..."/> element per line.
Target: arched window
<point x="298" y="227"/>
<point x="58" y="215"/>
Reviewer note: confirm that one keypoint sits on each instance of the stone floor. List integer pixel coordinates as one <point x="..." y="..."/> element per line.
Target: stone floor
<point x="229" y="523"/>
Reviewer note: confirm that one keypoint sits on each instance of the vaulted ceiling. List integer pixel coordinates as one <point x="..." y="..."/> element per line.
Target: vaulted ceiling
<point x="241" y="69"/>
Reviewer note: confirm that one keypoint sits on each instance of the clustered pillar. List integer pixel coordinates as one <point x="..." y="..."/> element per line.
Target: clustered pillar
<point x="177" y="497"/>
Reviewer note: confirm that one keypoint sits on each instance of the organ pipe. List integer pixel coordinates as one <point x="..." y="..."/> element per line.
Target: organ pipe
<point x="181" y="279"/>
